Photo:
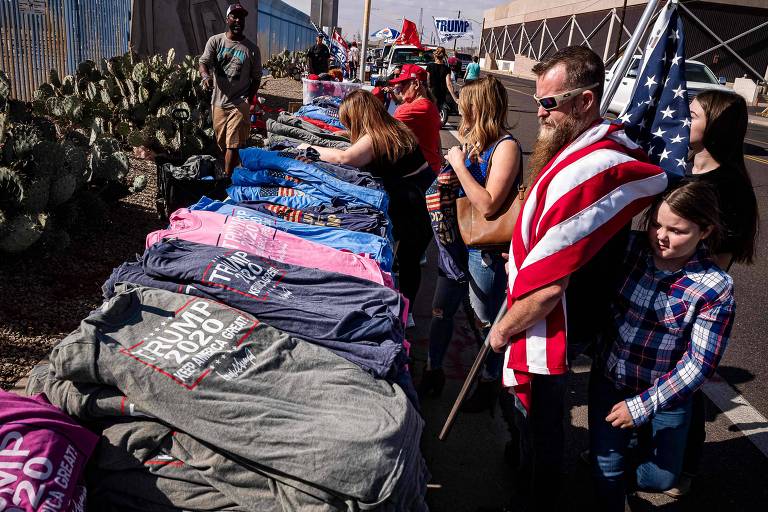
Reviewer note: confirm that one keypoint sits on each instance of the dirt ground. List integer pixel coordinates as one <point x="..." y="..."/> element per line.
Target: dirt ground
<point x="43" y="297"/>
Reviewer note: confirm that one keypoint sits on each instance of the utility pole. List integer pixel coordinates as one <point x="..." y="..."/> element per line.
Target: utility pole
<point x="364" y="46"/>
<point x="421" y="24"/>
<point x="454" y="41"/>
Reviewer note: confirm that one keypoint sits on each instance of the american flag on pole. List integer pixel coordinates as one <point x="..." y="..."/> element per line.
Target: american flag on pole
<point x="339" y="51"/>
<point x="579" y="201"/>
<point x="657" y="116"/>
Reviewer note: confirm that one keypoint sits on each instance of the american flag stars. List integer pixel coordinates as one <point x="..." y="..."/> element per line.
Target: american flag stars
<point x="658" y="116"/>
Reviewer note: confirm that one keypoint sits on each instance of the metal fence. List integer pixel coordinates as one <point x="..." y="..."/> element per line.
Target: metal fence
<point x="39" y="35"/>
<point x="282" y="27"/>
<point x="730" y="39"/>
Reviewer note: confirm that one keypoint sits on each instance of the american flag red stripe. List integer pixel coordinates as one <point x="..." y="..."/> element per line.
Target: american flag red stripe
<point x="582" y="198"/>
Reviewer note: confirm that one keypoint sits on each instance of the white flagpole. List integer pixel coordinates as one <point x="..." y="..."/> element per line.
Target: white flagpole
<point x="633" y="44"/>
<point x="364" y="45"/>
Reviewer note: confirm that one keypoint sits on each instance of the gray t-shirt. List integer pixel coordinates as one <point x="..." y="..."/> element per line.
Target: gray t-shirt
<point x="233" y="65"/>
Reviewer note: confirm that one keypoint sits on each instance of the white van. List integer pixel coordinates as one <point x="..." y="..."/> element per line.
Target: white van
<point x="698" y="78"/>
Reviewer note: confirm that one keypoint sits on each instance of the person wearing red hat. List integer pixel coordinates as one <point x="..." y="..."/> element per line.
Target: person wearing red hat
<point x="418" y="111"/>
<point x="231" y="66"/>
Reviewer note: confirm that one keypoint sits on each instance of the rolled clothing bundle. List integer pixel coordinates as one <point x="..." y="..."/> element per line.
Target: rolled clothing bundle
<point x="314" y="138"/>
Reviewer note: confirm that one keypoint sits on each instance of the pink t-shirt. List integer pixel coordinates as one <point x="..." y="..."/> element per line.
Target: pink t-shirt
<point x="42" y="455"/>
<point x="213" y="228"/>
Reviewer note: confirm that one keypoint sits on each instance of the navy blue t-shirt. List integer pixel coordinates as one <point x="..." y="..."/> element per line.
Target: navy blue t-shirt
<point x="355" y="318"/>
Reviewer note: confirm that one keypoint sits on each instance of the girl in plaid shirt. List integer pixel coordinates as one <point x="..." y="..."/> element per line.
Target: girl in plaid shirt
<point x="672" y="318"/>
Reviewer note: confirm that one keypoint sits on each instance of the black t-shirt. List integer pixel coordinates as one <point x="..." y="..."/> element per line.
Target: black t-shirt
<point x="437" y="73"/>
<point x="317" y="58"/>
<point x="392" y="171"/>
<point x="738" y="206"/>
<point x="591" y="290"/>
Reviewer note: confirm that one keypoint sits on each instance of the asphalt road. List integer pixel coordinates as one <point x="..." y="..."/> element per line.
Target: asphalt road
<point x="469" y="470"/>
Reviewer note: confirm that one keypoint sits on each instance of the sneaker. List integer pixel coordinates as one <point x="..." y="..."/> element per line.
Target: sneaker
<point x="682" y="488"/>
<point x="411" y="322"/>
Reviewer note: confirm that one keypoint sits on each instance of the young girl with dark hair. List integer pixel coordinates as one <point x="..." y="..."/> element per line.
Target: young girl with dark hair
<point x="672" y="318"/>
<point x="718" y="127"/>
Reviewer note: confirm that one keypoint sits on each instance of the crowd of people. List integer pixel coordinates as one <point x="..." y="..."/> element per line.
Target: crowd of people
<point x="653" y="307"/>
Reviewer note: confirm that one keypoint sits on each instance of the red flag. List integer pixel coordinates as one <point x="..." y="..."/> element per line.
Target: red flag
<point x="409" y="35"/>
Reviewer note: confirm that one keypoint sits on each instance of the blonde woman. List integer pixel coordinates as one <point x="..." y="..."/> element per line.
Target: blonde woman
<point x="489" y="170"/>
<point x="386" y="147"/>
<point x="439" y="77"/>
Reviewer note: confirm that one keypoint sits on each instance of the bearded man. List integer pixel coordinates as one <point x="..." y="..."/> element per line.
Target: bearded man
<point x="588" y="181"/>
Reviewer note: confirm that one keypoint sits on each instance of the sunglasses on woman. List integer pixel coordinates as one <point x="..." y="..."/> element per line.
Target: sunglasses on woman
<point x="558" y="100"/>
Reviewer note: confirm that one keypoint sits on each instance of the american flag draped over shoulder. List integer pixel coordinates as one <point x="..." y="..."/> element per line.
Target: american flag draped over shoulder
<point x="582" y="198"/>
<point x="657" y="116"/>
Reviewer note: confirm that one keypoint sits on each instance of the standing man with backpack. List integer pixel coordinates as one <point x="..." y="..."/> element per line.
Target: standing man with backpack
<point x="231" y="66"/>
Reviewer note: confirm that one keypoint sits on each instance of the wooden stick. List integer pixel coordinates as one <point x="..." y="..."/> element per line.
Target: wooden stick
<point x="473" y="373"/>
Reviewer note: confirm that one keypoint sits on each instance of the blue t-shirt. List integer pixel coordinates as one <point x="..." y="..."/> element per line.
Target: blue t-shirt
<point x="377" y="247"/>
<point x="473" y="71"/>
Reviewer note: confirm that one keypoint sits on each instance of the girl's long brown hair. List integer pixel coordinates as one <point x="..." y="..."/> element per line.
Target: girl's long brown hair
<point x="695" y="201"/>
<point x="724" y="133"/>
<point x="483" y="106"/>
<point x="364" y="114"/>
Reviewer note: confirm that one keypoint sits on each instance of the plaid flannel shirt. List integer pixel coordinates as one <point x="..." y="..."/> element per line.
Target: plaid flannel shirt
<point x="670" y="329"/>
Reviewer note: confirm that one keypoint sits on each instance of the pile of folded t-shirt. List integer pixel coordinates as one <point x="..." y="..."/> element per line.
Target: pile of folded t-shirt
<point x="253" y="358"/>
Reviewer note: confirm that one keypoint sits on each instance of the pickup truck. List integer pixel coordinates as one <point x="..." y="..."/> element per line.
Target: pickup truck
<point x="698" y="78"/>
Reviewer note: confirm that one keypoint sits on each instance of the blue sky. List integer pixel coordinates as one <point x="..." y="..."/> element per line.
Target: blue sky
<point x="389" y="13"/>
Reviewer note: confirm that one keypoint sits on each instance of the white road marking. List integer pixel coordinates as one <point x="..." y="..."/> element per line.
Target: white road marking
<point x="749" y="421"/>
<point x="739" y="411"/>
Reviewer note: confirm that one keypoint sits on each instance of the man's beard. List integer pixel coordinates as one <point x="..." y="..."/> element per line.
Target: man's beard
<point x="551" y="139"/>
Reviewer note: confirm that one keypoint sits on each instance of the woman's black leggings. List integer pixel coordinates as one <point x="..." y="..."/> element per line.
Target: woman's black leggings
<point x="411" y="228"/>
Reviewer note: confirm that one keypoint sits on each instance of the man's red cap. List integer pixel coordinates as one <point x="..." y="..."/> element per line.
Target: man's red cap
<point x="410" y="72"/>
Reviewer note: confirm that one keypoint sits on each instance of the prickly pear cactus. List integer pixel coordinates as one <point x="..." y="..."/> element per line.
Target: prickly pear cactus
<point x="107" y="161"/>
<point x="21" y="232"/>
<point x="11" y="190"/>
<point x="36" y="192"/>
<point x="25" y="137"/>
<point x="62" y="189"/>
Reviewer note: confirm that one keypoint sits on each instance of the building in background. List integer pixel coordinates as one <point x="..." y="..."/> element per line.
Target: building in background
<point x="325" y="13"/>
<point x="729" y="36"/>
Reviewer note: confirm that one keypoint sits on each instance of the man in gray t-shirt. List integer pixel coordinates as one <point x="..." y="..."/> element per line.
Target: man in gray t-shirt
<point x="236" y="65"/>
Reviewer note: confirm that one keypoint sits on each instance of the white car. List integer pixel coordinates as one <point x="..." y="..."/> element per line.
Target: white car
<point x="698" y="78"/>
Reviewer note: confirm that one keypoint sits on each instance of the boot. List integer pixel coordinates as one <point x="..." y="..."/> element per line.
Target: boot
<point x="432" y="382"/>
<point x="483" y="398"/>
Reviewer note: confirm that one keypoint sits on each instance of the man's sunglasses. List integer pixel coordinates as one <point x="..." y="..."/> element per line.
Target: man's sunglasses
<point x="558" y="100"/>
